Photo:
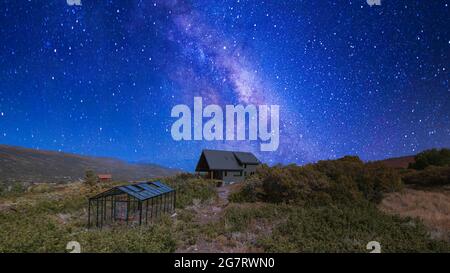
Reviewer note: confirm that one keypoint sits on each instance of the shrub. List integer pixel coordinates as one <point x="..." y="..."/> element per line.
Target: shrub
<point x="189" y="187"/>
<point x="250" y="191"/>
<point x="431" y="176"/>
<point x="41" y="188"/>
<point x="347" y="229"/>
<point x="152" y="238"/>
<point x="377" y="179"/>
<point x="433" y="157"/>
<point x="349" y="166"/>
<point x="90" y="178"/>
<point x="239" y="218"/>
<point x="342" y="228"/>
<point x="12" y="189"/>
<point x="292" y="183"/>
<point x="345" y="180"/>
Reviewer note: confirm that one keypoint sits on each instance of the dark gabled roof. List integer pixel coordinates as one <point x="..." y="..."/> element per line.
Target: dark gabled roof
<point x="221" y="160"/>
<point x="141" y="191"/>
<point x="246" y="158"/>
<point x="225" y="160"/>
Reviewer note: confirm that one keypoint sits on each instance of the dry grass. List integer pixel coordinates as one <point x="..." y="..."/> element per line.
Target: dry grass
<point x="431" y="206"/>
<point x="53" y="192"/>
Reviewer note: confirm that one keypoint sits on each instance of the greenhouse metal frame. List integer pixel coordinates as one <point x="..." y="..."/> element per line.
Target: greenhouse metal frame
<point x="134" y="204"/>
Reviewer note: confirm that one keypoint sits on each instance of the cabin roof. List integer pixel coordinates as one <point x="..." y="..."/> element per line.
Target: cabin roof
<point x="224" y="160"/>
<point x="246" y="158"/>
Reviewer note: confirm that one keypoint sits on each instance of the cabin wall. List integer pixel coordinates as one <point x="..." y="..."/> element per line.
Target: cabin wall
<point x="232" y="176"/>
<point x="235" y="176"/>
<point x="249" y="169"/>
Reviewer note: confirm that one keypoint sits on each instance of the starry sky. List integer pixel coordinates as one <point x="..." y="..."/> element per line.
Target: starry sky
<point x="101" y="78"/>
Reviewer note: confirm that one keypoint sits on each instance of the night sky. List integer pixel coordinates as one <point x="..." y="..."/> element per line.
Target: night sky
<point x="101" y="78"/>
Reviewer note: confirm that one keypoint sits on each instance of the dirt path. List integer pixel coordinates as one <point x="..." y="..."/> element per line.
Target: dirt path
<point x="206" y="213"/>
<point x="223" y="193"/>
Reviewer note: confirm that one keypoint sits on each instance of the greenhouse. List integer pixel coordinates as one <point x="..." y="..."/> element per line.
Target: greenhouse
<point x="134" y="204"/>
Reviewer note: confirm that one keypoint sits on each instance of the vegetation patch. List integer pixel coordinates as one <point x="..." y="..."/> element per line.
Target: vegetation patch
<point x="430" y="168"/>
<point x="433" y="157"/>
<point x="342" y="181"/>
<point x="46" y="220"/>
<point x="348" y="229"/>
<point x="429" y="177"/>
<point x="430" y="206"/>
<point x="330" y="206"/>
<point x="190" y="188"/>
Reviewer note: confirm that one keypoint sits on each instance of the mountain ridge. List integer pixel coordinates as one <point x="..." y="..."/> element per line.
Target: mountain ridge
<point x="400" y="162"/>
<point x="21" y="164"/>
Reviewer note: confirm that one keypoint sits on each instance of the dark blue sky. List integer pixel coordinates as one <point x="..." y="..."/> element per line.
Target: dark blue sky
<point x="101" y="78"/>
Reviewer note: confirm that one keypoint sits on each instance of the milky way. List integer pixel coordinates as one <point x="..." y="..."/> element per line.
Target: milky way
<point x="102" y="78"/>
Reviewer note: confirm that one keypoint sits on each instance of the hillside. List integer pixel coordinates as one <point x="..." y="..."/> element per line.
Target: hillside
<point x="398" y="162"/>
<point x="29" y="165"/>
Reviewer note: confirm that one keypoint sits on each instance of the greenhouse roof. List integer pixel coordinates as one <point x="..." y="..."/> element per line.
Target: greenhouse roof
<point x="141" y="191"/>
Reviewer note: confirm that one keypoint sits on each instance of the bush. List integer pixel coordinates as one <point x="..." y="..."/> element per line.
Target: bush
<point x="188" y="188"/>
<point x="151" y="238"/>
<point x="347" y="229"/>
<point x="433" y="157"/>
<point x="12" y="189"/>
<point x="378" y="179"/>
<point x="343" y="228"/>
<point x="239" y="218"/>
<point x="292" y="184"/>
<point x="90" y="178"/>
<point x="431" y="176"/>
<point x="250" y="191"/>
<point x="41" y="188"/>
<point x="342" y="181"/>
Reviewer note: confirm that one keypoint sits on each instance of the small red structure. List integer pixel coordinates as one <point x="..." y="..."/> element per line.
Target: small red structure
<point x="104" y="177"/>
